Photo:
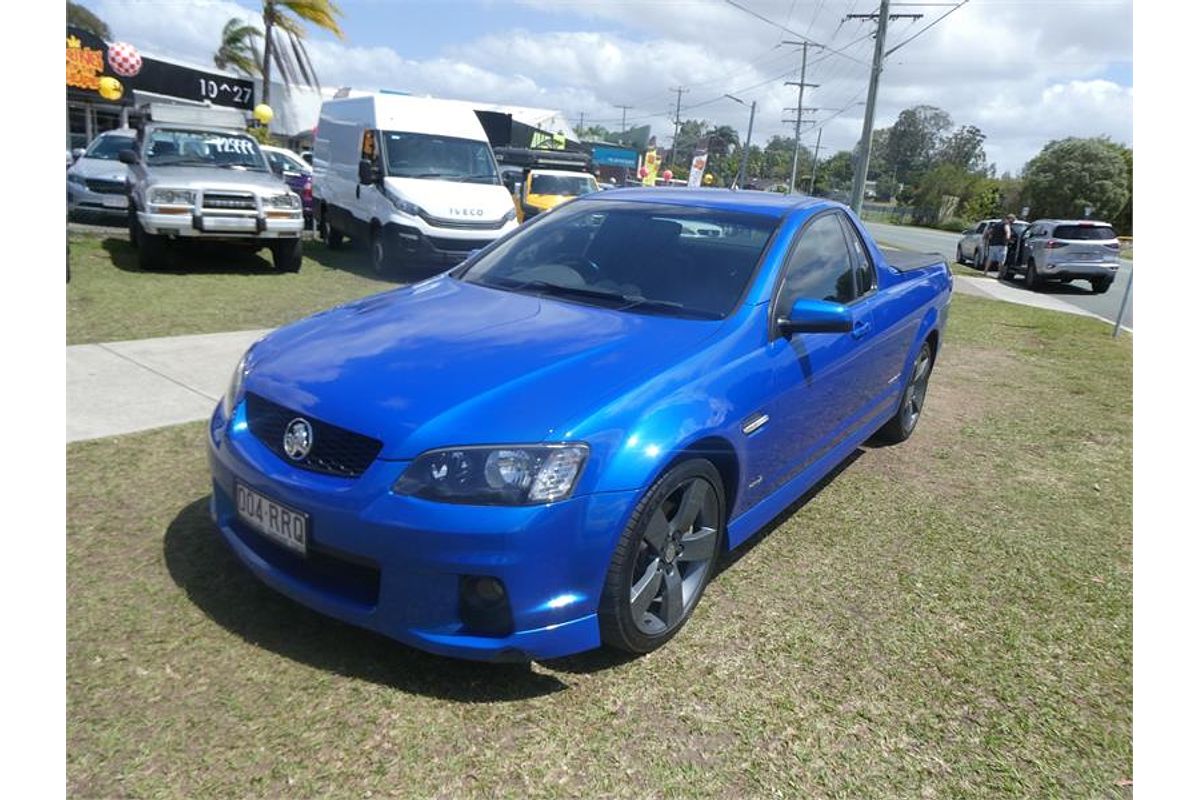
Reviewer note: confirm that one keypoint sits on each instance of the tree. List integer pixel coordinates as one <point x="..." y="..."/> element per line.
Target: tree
<point x="964" y="148"/>
<point x="1071" y="174"/>
<point x="1123" y="221"/>
<point x="81" y="17"/>
<point x="835" y="173"/>
<point x="593" y="133"/>
<point x="283" y="23"/>
<point x="914" y="141"/>
<point x="237" y="48"/>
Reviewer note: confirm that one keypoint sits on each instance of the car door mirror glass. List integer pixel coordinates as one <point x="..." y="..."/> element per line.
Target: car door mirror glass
<point x="816" y="316"/>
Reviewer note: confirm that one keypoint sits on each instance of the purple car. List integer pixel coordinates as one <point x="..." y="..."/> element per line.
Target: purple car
<point x="296" y="173"/>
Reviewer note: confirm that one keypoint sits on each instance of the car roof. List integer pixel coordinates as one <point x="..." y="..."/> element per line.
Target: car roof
<point x="765" y="203"/>
<point x="1095" y="222"/>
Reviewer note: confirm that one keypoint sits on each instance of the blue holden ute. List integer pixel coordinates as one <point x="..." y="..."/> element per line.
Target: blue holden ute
<point x="549" y="447"/>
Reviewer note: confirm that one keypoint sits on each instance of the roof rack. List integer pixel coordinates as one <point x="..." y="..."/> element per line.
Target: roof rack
<point x="189" y="114"/>
<point x="533" y="158"/>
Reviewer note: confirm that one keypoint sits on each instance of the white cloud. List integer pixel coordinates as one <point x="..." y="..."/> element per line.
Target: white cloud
<point x="1024" y="73"/>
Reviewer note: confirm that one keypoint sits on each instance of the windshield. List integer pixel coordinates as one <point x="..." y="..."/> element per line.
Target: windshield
<point x="568" y="185"/>
<point x="192" y="148"/>
<point x="639" y="257"/>
<point x="421" y="155"/>
<point x="107" y="147"/>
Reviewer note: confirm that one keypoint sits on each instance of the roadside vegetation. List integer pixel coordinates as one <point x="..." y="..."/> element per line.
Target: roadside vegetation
<point x="208" y="290"/>
<point x="946" y="618"/>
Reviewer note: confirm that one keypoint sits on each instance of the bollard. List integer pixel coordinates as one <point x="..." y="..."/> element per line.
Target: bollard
<point x="1124" y="301"/>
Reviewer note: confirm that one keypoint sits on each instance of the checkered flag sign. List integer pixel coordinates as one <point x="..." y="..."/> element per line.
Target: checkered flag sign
<point x="124" y="59"/>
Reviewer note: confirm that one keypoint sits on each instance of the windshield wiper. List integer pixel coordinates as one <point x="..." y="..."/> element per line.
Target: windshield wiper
<point x="622" y="302"/>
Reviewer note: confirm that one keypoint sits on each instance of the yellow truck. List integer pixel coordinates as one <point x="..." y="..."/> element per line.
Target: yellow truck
<point x="539" y="180"/>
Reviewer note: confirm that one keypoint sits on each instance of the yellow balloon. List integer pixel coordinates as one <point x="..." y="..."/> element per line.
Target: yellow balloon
<point x="263" y="113"/>
<point x="708" y="179"/>
<point x="110" y="88"/>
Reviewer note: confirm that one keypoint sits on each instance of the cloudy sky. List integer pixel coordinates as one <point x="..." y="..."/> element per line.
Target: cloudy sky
<point x="1024" y="71"/>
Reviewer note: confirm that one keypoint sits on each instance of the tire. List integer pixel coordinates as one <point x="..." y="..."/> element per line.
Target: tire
<point x="958" y="256"/>
<point x="287" y="254"/>
<point x="658" y="571"/>
<point x="383" y="259"/>
<point x="152" y="250"/>
<point x="1100" y="285"/>
<point x="1004" y="272"/>
<point x="328" y="234"/>
<point x="904" y="422"/>
<point x="975" y="260"/>
<point x="1031" y="276"/>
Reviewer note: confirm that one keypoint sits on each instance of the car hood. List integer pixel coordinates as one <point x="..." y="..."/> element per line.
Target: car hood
<point x="451" y="363"/>
<point x="99" y="168"/>
<point x="214" y="178"/>
<point x="469" y="202"/>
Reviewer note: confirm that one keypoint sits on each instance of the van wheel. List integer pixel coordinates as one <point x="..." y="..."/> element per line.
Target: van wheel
<point x="287" y="255"/>
<point x="382" y="258"/>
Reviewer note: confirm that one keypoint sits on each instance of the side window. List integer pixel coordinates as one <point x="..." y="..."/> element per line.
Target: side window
<point x="276" y="160"/>
<point x="864" y="269"/>
<point x="819" y="267"/>
<point x="370" y="147"/>
<point x="982" y="225"/>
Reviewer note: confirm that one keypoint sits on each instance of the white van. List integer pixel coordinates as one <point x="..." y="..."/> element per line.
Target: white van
<point x="412" y="176"/>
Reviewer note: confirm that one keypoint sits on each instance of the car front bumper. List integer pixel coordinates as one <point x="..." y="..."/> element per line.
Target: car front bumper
<point x="222" y="226"/>
<point x="394" y="564"/>
<point x="440" y="244"/>
<point x="80" y="198"/>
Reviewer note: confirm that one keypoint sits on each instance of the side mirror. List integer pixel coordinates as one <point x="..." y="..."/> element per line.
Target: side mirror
<point x="367" y="172"/>
<point x="816" y="316"/>
<point x="128" y="157"/>
<point x="968" y="231"/>
<point x="77" y="153"/>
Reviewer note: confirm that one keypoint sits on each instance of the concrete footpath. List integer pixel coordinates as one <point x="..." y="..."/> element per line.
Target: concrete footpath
<point x="998" y="290"/>
<point x="123" y="387"/>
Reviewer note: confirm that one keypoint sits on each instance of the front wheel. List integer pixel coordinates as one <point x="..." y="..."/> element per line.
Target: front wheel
<point x="664" y="559"/>
<point x="287" y="255"/>
<point x="1031" y="276"/>
<point x="958" y="256"/>
<point x="901" y="426"/>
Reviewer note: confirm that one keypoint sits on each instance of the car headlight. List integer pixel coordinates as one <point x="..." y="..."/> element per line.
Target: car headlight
<point x="230" y="400"/>
<point x="495" y="475"/>
<point x="288" y="200"/>
<point x="160" y="196"/>
<point x="78" y="180"/>
<point x="509" y="216"/>
<point x="402" y="205"/>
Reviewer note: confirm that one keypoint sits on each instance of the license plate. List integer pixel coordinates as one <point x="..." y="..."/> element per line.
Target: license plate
<point x="275" y="521"/>
<point x="115" y="201"/>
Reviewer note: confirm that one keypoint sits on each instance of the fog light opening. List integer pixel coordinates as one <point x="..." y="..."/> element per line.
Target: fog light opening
<point x="483" y="605"/>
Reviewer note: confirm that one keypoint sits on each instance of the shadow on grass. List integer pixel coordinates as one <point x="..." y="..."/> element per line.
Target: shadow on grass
<point x="202" y="565"/>
<point x="351" y="258"/>
<point x="195" y="258"/>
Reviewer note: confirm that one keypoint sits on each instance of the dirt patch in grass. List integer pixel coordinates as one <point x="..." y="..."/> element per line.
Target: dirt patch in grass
<point x="948" y="617"/>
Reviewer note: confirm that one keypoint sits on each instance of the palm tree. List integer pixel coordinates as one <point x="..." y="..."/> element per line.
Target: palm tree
<point x="283" y="21"/>
<point x="81" y="17"/>
<point x="237" y="48"/>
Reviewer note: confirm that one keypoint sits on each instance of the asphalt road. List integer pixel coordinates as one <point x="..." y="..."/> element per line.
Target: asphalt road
<point x="1078" y="294"/>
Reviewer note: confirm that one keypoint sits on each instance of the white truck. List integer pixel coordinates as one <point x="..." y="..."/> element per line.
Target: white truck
<point x="412" y="177"/>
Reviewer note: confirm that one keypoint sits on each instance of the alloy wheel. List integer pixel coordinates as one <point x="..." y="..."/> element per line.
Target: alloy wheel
<point x="914" y="394"/>
<point x="674" y="558"/>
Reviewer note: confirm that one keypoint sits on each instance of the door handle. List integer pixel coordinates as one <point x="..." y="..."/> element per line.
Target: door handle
<point x="358" y="192"/>
<point x="861" y="328"/>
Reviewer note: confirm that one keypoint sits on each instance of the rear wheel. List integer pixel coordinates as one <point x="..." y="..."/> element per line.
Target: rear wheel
<point x="330" y="235"/>
<point x="1100" y="285"/>
<point x="901" y="426"/>
<point x="287" y="255"/>
<point x="664" y="559"/>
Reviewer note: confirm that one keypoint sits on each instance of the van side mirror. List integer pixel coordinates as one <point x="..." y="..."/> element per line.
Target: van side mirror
<point x="367" y="173"/>
<point x="128" y="157"/>
<point x="816" y="316"/>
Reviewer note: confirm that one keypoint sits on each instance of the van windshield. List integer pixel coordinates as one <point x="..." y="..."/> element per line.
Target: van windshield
<point x="446" y="158"/>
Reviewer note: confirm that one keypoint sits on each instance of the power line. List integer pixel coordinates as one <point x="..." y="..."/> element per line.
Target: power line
<point x="927" y="27"/>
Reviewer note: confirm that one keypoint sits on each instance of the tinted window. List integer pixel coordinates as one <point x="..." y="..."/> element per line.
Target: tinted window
<point x="979" y="228"/>
<point x="819" y="267"/>
<point x="107" y="147"/>
<point x="419" y="155"/>
<point x="1084" y="232"/>
<point x="864" y="270"/>
<point x="569" y="185"/>
<point x="167" y="146"/>
<point x="637" y="256"/>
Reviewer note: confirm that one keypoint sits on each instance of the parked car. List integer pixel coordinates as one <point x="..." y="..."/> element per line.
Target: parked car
<point x="1067" y="250"/>
<point x="549" y="446"/>
<point x="194" y="174"/>
<point x="972" y="241"/>
<point x="296" y="173"/>
<point x="96" y="181"/>
<point x="414" y="178"/>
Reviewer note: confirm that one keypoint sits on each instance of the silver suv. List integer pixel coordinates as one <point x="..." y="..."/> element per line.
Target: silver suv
<point x="1066" y="250"/>
<point x="194" y="174"/>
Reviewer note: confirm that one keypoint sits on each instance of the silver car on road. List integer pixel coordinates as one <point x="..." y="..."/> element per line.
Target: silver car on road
<point x="970" y="246"/>
<point x="1065" y="250"/>
<point x="96" y="180"/>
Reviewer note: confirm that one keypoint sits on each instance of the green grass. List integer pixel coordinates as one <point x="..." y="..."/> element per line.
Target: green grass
<point x="206" y="291"/>
<point x="950" y="617"/>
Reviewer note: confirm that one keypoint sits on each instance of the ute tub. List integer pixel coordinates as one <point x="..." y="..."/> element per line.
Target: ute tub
<point x="905" y="261"/>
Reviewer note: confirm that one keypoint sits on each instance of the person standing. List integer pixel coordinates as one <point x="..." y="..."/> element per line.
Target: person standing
<point x="996" y="240"/>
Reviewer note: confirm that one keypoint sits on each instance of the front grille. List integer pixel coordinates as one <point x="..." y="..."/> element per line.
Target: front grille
<point x="457" y="245"/>
<point x="462" y="224"/>
<point x="102" y="186"/>
<point x="240" y="202"/>
<point x="335" y="451"/>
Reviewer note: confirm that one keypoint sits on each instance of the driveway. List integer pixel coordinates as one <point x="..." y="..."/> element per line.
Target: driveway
<point x="1104" y="306"/>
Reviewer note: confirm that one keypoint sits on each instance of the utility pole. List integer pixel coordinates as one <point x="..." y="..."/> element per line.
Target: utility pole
<point x="799" y="105"/>
<point x="741" y="173"/>
<point x="817" y="152"/>
<point x="580" y="131"/>
<point x="864" y="145"/>
<point x="678" y="90"/>
<point x="623" y="110"/>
